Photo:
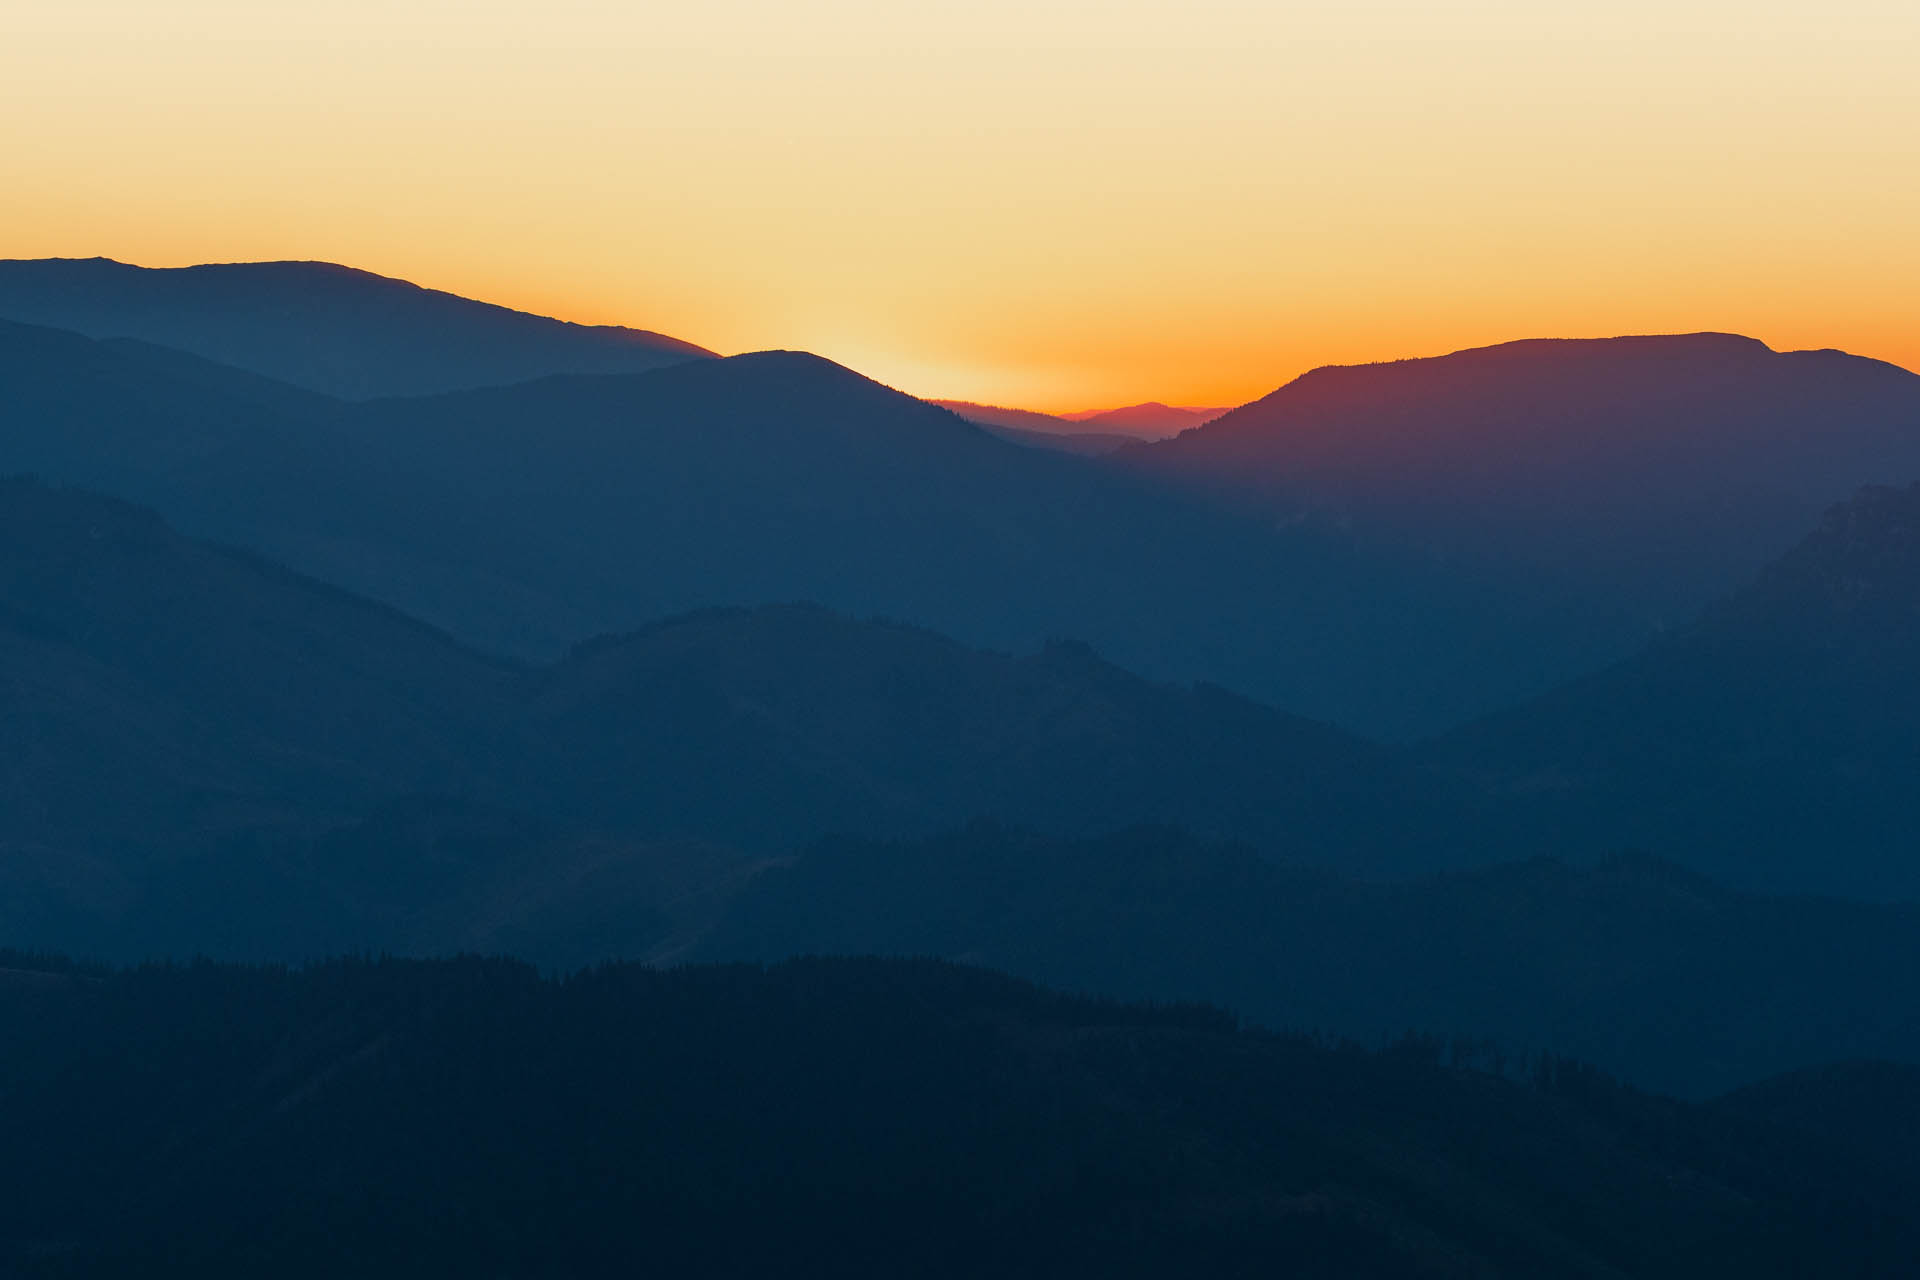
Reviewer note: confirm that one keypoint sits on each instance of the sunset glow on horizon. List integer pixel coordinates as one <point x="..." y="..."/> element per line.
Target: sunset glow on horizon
<point x="1054" y="204"/>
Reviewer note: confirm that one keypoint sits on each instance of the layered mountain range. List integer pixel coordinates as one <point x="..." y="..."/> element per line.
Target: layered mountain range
<point x="208" y="753"/>
<point x="291" y="670"/>
<point x="169" y="702"/>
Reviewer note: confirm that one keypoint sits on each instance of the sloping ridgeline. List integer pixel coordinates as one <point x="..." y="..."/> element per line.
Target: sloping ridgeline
<point x="323" y="327"/>
<point x="205" y="752"/>
<point x="525" y="518"/>
<point x="1771" y="743"/>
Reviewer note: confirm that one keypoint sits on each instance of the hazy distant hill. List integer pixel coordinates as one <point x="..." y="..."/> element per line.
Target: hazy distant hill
<point x="206" y="752"/>
<point x="1632" y="479"/>
<point x="847" y="1118"/>
<point x="1772" y="742"/>
<point x="168" y="710"/>
<point x="989" y="415"/>
<point x="153" y="682"/>
<point x="1037" y="430"/>
<point x="1085" y="444"/>
<point x="1668" y="979"/>
<point x="773" y="726"/>
<point x="320" y="326"/>
<point x="525" y="518"/>
<point x="201" y="753"/>
<point x="1149" y="421"/>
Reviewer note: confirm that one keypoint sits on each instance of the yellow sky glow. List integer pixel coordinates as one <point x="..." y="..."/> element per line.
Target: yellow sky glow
<point x="1054" y="203"/>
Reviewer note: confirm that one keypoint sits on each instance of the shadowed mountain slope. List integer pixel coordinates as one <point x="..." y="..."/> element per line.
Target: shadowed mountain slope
<point x="323" y="327"/>
<point x="843" y="1118"/>
<point x="1037" y="430"/>
<point x="1090" y="435"/>
<point x="1085" y="445"/>
<point x="1772" y="742"/>
<point x="203" y="753"/>
<point x="524" y="518"/>
<point x="830" y="725"/>
<point x="992" y="415"/>
<point x="197" y="740"/>
<point x="150" y="679"/>
<point x="1870" y="1111"/>
<point x="1629" y="480"/>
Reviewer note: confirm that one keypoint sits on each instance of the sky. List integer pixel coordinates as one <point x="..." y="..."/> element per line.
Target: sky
<point x="1058" y="204"/>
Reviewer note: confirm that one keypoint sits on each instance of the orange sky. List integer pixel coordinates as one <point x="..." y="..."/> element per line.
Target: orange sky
<point x="1054" y="203"/>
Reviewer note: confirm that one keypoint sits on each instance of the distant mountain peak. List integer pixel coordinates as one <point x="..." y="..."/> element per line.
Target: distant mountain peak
<point x="1150" y="420"/>
<point x="1364" y="380"/>
<point x="323" y="326"/>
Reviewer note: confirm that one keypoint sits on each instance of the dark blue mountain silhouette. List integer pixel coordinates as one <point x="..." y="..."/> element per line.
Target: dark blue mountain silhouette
<point x="1625" y="482"/>
<point x="202" y="751"/>
<point x="1772" y="742"/>
<point x="324" y="327"/>
<point x="525" y="518"/>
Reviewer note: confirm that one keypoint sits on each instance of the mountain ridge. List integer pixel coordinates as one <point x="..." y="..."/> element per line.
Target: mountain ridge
<point x="1778" y="722"/>
<point x="323" y="326"/>
<point x="522" y="518"/>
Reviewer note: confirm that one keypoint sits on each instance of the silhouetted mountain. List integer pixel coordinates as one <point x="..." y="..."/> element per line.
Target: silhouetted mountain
<point x="1149" y="421"/>
<point x="844" y="1119"/>
<point x="1664" y="978"/>
<point x="1771" y="743"/>
<point x="524" y="518"/>
<point x="323" y="327"/>
<point x="1624" y="483"/>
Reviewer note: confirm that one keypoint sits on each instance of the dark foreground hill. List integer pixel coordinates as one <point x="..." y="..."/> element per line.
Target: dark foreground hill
<point x="1869" y="1110"/>
<point x="323" y="327"/>
<point x="1772" y="742"/>
<point x="844" y="1118"/>
<point x="1667" y="979"/>
<point x="1627" y="481"/>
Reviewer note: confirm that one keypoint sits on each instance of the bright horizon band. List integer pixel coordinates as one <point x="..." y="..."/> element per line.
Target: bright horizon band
<point x="1055" y="205"/>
